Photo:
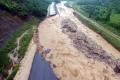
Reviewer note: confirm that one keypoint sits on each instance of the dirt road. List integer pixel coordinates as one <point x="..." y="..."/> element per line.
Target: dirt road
<point x="68" y="62"/>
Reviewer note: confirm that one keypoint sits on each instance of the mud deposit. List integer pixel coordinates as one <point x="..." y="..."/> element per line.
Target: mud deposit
<point x="87" y="46"/>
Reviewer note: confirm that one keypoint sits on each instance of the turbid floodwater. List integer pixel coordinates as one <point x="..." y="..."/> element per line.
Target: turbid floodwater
<point x="71" y="62"/>
<point x="68" y="61"/>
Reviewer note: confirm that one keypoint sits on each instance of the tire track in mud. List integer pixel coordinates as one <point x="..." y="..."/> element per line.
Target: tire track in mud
<point x="87" y="46"/>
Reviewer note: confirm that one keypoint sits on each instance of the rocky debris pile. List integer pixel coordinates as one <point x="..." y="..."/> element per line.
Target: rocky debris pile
<point x="69" y="26"/>
<point x="117" y="67"/>
<point x="87" y="46"/>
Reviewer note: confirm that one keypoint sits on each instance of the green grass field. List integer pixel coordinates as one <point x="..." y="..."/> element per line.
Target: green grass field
<point x="115" y="18"/>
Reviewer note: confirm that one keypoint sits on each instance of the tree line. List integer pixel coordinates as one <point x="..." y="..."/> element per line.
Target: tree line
<point x="102" y="10"/>
<point x="24" y="8"/>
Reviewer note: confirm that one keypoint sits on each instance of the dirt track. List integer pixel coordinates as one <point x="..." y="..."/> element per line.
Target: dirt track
<point x="68" y="62"/>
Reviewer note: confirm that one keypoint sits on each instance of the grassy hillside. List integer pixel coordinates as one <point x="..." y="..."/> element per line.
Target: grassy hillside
<point x="5" y="61"/>
<point x="105" y="11"/>
<point x="25" y="9"/>
<point x="115" y="20"/>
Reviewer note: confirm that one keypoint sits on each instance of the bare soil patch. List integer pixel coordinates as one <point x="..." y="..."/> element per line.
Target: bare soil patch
<point x="8" y="25"/>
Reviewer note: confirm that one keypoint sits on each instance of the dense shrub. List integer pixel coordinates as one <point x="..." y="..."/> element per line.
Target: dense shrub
<point x="115" y="21"/>
<point x="25" y="7"/>
<point x="14" y="7"/>
<point x="97" y="12"/>
<point x="103" y="11"/>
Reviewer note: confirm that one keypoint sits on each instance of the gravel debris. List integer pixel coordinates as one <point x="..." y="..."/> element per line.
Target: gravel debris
<point x="87" y="46"/>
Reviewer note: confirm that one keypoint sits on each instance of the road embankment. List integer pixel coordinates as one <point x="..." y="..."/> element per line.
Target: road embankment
<point x="26" y="63"/>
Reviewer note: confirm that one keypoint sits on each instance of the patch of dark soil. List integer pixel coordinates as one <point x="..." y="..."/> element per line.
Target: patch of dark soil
<point x="8" y="24"/>
<point x="117" y="68"/>
<point x="69" y="26"/>
<point x="87" y="46"/>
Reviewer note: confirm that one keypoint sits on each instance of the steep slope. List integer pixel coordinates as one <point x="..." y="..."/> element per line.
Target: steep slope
<point x="8" y="24"/>
<point x="13" y="13"/>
